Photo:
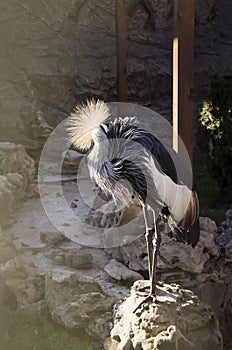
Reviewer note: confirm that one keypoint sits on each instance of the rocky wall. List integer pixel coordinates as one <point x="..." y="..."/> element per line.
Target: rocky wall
<point x="79" y="286"/>
<point x="17" y="170"/>
<point x="56" y="53"/>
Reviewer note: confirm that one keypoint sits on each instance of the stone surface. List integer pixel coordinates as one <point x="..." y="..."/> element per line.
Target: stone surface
<point x="79" y="259"/>
<point x="10" y="197"/>
<point x="229" y="218"/>
<point x="100" y="328"/>
<point x="120" y="272"/>
<point x="14" y="159"/>
<point x="224" y="235"/>
<point x="71" y="161"/>
<point x="75" y="299"/>
<point x="224" y="241"/>
<point x="174" y="254"/>
<point x="208" y="225"/>
<point x="24" y="280"/>
<point x="52" y="237"/>
<point x="34" y="191"/>
<point x="7" y="251"/>
<point x="187" y="258"/>
<point x="61" y="53"/>
<point x="177" y="320"/>
<point x="40" y="127"/>
<point x="68" y="287"/>
<point x="17" y="170"/>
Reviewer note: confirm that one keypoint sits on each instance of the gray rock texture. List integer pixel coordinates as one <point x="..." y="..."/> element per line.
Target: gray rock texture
<point x="173" y="254"/>
<point x="56" y="54"/>
<point x="120" y="272"/>
<point x="80" y="284"/>
<point x="17" y="170"/>
<point x="14" y="159"/>
<point x="74" y="299"/>
<point x="177" y="320"/>
<point x="24" y="280"/>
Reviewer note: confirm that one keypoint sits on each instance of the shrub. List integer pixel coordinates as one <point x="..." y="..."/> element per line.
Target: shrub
<point x="215" y="131"/>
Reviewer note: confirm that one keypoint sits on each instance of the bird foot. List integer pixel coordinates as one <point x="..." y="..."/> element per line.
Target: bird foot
<point x="144" y="303"/>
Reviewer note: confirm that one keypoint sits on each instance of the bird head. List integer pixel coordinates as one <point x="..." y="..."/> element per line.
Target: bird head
<point x="99" y="134"/>
<point x="85" y="125"/>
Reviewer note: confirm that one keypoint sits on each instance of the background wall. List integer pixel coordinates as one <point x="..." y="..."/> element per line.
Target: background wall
<point x="55" y="53"/>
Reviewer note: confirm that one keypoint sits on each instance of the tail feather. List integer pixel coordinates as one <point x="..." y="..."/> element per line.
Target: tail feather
<point x="83" y="120"/>
<point x="183" y="236"/>
<point x="188" y="229"/>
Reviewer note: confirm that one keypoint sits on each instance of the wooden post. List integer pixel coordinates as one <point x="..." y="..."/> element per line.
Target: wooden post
<point x="121" y="50"/>
<point x="183" y="70"/>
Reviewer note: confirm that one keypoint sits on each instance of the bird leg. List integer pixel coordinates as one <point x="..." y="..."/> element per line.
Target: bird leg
<point x="153" y="243"/>
<point x="156" y="246"/>
<point x="149" y="236"/>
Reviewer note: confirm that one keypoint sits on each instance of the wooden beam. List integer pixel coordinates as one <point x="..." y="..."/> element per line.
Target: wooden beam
<point x="183" y="71"/>
<point x="121" y="30"/>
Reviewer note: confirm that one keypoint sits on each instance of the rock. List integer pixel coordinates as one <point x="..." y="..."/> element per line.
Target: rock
<point x="40" y="127"/>
<point x="73" y="205"/>
<point x="224" y="241"/>
<point x="6" y="253"/>
<point x="185" y="257"/>
<point x="15" y="179"/>
<point x="5" y="147"/>
<point x="208" y="225"/>
<point x="71" y="255"/>
<point x="83" y="298"/>
<point x="58" y="257"/>
<point x="34" y="191"/>
<point x="175" y="254"/>
<point x="134" y="254"/>
<point x="16" y="171"/>
<point x="177" y="320"/>
<point x="52" y="237"/>
<point x="212" y="293"/>
<point x="79" y="259"/>
<point x="25" y="281"/>
<point x="100" y="328"/>
<point x="5" y="238"/>
<point x="170" y="337"/>
<point x="229" y="218"/>
<point x="71" y="160"/>
<point x="10" y="197"/>
<point x="38" y="307"/>
<point x="74" y="299"/>
<point x="45" y="70"/>
<point x="120" y="272"/>
<point x="16" y="160"/>
<point x="6" y="250"/>
<point x="224" y="235"/>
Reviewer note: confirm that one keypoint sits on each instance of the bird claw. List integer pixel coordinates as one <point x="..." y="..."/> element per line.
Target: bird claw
<point x="148" y="299"/>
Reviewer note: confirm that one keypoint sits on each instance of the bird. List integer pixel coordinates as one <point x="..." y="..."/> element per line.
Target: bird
<point x="127" y="161"/>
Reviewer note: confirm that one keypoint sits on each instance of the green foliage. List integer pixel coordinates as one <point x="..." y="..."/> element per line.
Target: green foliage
<point x="25" y="331"/>
<point x="215" y="132"/>
<point x="208" y="190"/>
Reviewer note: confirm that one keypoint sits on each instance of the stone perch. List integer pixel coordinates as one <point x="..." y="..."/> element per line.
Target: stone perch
<point x="177" y="321"/>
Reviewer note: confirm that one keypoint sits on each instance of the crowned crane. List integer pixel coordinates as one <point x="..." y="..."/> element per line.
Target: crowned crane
<point x="126" y="160"/>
